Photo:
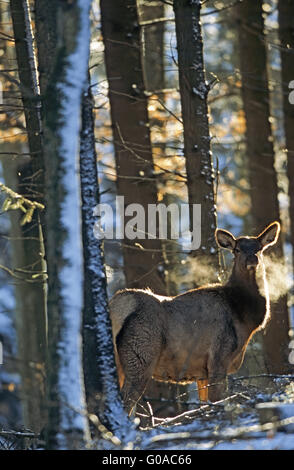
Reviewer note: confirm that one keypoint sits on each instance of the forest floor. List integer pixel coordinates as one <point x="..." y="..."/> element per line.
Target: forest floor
<point x="234" y="423"/>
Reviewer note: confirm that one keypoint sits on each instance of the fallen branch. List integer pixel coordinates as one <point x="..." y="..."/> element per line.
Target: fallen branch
<point x="22" y="434"/>
<point x="229" y="435"/>
<point x="191" y="413"/>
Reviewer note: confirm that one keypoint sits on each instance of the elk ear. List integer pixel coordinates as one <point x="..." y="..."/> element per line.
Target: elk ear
<point x="225" y="239"/>
<point x="270" y="235"/>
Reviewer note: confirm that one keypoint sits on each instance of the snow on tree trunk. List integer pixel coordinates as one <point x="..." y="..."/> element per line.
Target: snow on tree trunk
<point x="99" y="364"/>
<point x="67" y="424"/>
<point x="194" y="91"/>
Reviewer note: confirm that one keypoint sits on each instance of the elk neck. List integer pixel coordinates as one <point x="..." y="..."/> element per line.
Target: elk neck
<point x="248" y="292"/>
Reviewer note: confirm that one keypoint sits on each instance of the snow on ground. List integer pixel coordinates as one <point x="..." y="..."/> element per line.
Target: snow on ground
<point x="234" y="423"/>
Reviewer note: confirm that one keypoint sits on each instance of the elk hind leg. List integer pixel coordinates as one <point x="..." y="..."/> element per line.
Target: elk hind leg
<point x="120" y="372"/>
<point x="138" y="364"/>
<point x="132" y="393"/>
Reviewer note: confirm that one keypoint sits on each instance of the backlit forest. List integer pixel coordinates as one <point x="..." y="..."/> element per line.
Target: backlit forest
<point x="171" y="102"/>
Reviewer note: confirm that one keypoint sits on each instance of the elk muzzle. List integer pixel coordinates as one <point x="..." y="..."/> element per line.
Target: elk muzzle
<point x="251" y="262"/>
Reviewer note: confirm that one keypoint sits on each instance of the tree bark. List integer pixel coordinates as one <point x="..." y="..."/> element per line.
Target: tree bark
<point x="153" y="44"/>
<point x="26" y="63"/>
<point x="28" y="239"/>
<point x="46" y="38"/>
<point x="101" y="382"/>
<point x="143" y="263"/>
<point x="67" y="422"/>
<point x="194" y="91"/>
<point x="261" y="158"/>
<point x="286" y="35"/>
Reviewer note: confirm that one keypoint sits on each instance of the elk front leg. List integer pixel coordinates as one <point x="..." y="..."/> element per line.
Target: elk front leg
<point x="217" y="378"/>
<point x="202" y="387"/>
<point x="217" y="387"/>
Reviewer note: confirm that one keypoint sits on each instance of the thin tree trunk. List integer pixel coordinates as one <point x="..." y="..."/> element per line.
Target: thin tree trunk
<point x="25" y="55"/>
<point x="153" y="58"/>
<point x="286" y="34"/>
<point x="260" y="152"/>
<point x="28" y="242"/>
<point x="153" y="44"/>
<point x="101" y="382"/>
<point x="67" y="423"/>
<point x="194" y="90"/>
<point x="46" y="38"/>
<point x="143" y="262"/>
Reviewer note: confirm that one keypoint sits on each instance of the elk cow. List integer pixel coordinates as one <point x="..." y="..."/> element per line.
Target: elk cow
<point x="200" y="335"/>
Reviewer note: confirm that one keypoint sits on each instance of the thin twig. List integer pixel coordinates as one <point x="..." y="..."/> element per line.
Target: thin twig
<point x="192" y="413"/>
<point x="147" y="161"/>
<point x="15" y="195"/>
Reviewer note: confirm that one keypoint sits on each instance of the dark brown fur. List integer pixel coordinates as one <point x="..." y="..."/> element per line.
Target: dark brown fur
<point x="200" y="335"/>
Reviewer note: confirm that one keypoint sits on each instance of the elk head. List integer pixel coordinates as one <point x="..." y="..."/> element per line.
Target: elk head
<point x="248" y="250"/>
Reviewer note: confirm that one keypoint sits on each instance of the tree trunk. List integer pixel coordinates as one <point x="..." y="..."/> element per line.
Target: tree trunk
<point x="194" y="90"/>
<point x="28" y="239"/>
<point x="261" y="158"/>
<point x="153" y="44"/>
<point x="101" y="382"/>
<point x="143" y="262"/>
<point x="21" y="21"/>
<point x="286" y="34"/>
<point x="46" y="38"/>
<point x="67" y="423"/>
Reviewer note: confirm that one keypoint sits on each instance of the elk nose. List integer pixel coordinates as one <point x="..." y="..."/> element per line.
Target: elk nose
<point x="251" y="262"/>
